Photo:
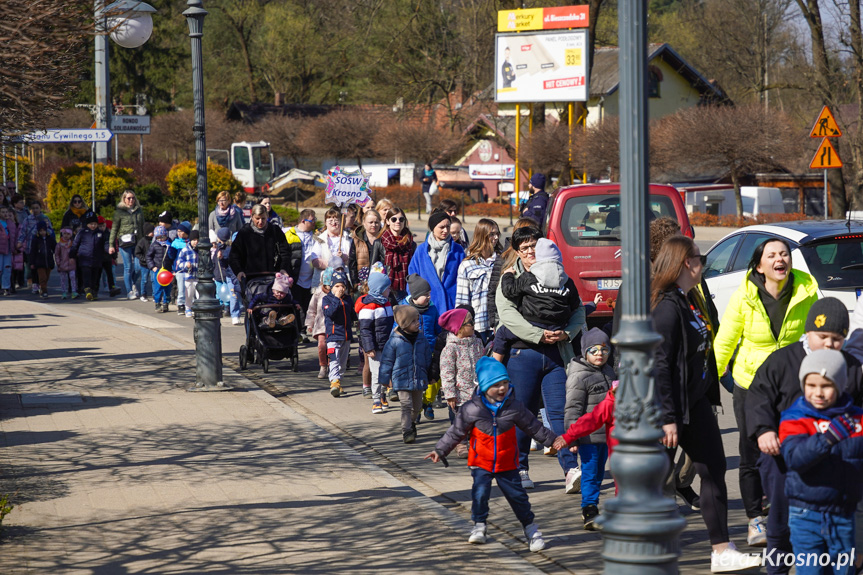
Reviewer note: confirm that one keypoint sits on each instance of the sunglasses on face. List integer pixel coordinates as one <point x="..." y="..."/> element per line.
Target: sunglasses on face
<point x="702" y="258"/>
<point x="309" y="221"/>
<point x="77" y="201"/>
<point x="397" y="220"/>
<point x="597" y="350"/>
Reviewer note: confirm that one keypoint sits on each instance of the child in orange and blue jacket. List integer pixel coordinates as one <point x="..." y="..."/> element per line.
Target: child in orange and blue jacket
<point x="490" y="418"/>
<point x="338" y="315"/>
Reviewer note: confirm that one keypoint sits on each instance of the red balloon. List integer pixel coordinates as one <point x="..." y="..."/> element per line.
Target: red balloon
<point x="164" y="278"/>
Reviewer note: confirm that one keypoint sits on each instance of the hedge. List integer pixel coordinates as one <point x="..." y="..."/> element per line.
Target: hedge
<point x="66" y="182"/>
<point x="183" y="181"/>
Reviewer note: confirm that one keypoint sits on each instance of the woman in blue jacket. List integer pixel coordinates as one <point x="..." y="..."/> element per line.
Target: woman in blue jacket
<point x="437" y="260"/>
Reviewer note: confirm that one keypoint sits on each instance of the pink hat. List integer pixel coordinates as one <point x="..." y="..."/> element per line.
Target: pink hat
<point x="453" y="319"/>
<point x="283" y="283"/>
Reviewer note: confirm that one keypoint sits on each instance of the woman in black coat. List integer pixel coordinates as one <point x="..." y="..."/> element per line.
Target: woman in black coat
<point x="260" y="247"/>
<point x="687" y="384"/>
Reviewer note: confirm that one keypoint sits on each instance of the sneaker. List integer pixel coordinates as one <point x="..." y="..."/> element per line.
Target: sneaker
<point x="410" y="436"/>
<point x="64" y="295"/>
<point x="392" y="394"/>
<point x="135" y="292"/>
<point x="550" y="452"/>
<point x="90" y="296"/>
<point x="589" y="513"/>
<point x="335" y="388"/>
<point x="34" y="289"/>
<point x="181" y="310"/>
<point x="534" y="538"/>
<point x="525" y="479"/>
<point x="158" y="307"/>
<point x="462" y="451"/>
<point x="376" y="407"/>
<point x="131" y="295"/>
<point x="477" y="534"/>
<point x="367" y="392"/>
<point x="7" y="293"/>
<point x="114" y="291"/>
<point x="732" y="560"/>
<point x="534" y="445"/>
<point x="189" y="313"/>
<point x="385" y="405"/>
<point x="428" y="412"/>
<point x="238" y="321"/>
<point x="322" y="374"/>
<point x="143" y="298"/>
<point x="573" y="481"/>
<point x="286" y="319"/>
<point x="165" y="308"/>
<point x="757" y="536"/>
<point x="689" y="496"/>
<point x="44" y="295"/>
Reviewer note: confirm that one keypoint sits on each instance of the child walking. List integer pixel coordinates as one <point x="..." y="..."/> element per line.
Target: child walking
<point x="375" y="317"/>
<point x="42" y="256"/>
<point x="405" y="362"/>
<point x="822" y="444"/>
<point x="66" y="265"/>
<point x="160" y="256"/>
<point x="490" y="419"/>
<point x="88" y="250"/>
<point x="141" y="255"/>
<point x="315" y="324"/>
<point x="339" y="314"/>
<point x="458" y="362"/>
<point x="587" y="384"/>
<point x="178" y="245"/>
<point x="420" y="298"/>
<point x="227" y="286"/>
<point x="187" y="261"/>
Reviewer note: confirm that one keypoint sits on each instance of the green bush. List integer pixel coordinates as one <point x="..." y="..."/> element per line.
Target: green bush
<point x="110" y="183"/>
<point x="183" y="181"/>
<point x="289" y="216"/>
<point x="25" y="172"/>
<point x="5" y="508"/>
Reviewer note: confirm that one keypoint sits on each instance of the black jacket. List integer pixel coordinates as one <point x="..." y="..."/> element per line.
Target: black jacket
<point x="493" y="281"/>
<point x="536" y="208"/>
<point x="682" y="373"/>
<point x="252" y="252"/>
<point x="141" y="249"/>
<point x="89" y="247"/>
<point x="776" y="386"/>
<point x="42" y="252"/>
<point x="539" y="305"/>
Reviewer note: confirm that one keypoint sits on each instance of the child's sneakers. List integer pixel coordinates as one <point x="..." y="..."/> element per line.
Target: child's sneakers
<point x="573" y="481"/>
<point x="44" y="295"/>
<point x="385" y="405"/>
<point x="189" y="313"/>
<point x="158" y="307"/>
<point x="731" y="560"/>
<point x="181" y="310"/>
<point x="367" y="392"/>
<point x="64" y="295"/>
<point x="525" y="479"/>
<point x="34" y="289"/>
<point x="271" y="319"/>
<point x="589" y="513"/>
<point x="90" y="296"/>
<point x="477" y="534"/>
<point x="428" y="412"/>
<point x="410" y="436"/>
<point x="322" y="374"/>
<point x="335" y="388"/>
<point x="757" y="536"/>
<point x="392" y="394"/>
<point x="534" y="538"/>
<point x="376" y="407"/>
<point x="74" y="295"/>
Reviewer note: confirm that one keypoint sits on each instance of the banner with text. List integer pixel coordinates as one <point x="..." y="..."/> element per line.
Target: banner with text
<point x="553" y="18"/>
<point x="345" y="188"/>
<point x="541" y="67"/>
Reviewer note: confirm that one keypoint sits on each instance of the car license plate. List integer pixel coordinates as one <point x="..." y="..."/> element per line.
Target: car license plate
<point x="610" y="283"/>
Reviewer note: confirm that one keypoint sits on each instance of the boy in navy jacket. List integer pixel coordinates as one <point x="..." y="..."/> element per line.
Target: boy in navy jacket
<point x="375" y="317"/>
<point x="160" y="256"/>
<point x="42" y="256"/>
<point x="822" y="444"/>
<point x="88" y="250"/>
<point x="338" y="315"/>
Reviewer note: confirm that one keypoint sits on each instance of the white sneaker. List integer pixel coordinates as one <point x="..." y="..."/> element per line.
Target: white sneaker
<point x="534" y="445"/>
<point x="131" y="295"/>
<point x="236" y="321"/>
<point x="477" y="534"/>
<point x="323" y="372"/>
<point x="525" y="479"/>
<point x="573" y="481"/>
<point x="534" y="538"/>
<point x="757" y="536"/>
<point x="143" y="298"/>
<point x="732" y="560"/>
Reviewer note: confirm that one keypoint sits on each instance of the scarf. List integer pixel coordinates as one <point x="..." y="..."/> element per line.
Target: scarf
<point x="257" y="230"/>
<point x="438" y="251"/>
<point x="79" y="212"/>
<point x="421" y="308"/>
<point x="224" y="216"/>
<point x="411" y="337"/>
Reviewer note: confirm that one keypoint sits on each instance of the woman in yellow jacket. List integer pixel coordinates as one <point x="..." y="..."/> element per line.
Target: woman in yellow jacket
<point x="768" y="311"/>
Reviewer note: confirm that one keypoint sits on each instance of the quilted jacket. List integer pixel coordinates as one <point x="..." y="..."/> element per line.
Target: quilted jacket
<point x="457" y="367"/>
<point x="745" y="322"/>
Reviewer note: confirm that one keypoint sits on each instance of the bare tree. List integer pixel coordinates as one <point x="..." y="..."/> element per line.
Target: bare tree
<point x="548" y="149"/>
<point x="342" y="134"/>
<point x="411" y="140"/>
<point x="283" y="134"/>
<point x="172" y="133"/>
<point x="43" y="47"/>
<point x="601" y="157"/>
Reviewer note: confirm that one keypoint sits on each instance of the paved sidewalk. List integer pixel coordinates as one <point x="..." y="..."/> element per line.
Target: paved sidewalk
<point x="141" y="476"/>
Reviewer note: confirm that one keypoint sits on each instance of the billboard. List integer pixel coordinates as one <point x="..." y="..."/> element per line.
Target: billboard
<point x="541" y="67"/>
<point x="543" y="18"/>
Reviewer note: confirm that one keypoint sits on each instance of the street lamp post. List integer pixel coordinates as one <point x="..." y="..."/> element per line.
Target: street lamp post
<point x="640" y="527"/>
<point x="208" y="311"/>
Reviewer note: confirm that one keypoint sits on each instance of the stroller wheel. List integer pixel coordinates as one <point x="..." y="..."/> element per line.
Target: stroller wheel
<point x="295" y="362"/>
<point x="243" y="358"/>
<point x="265" y="364"/>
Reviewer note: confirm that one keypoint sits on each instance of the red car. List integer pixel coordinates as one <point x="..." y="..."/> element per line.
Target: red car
<point x="585" y="223"/>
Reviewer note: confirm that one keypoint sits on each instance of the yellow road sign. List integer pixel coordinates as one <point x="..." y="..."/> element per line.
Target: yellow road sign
<point x="825" y="126"/>
<point x="825" y="157"/>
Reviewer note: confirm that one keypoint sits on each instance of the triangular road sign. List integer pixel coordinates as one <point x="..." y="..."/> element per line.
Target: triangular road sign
<point x="825" y="157"/>
<point x="825" y="126"/>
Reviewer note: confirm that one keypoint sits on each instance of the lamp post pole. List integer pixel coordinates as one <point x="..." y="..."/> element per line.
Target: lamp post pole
<point x="208" y="311"/>
<point x="103" y="80"/>
<point x="640" y="527"/>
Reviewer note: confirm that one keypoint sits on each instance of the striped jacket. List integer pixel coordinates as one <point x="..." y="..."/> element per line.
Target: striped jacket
<point x="472" y="288"/>
<point x="375" y="323"/>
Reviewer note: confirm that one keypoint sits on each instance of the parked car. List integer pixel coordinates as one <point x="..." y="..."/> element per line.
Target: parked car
<point x="584" y="222"/>
<point x="830" y="250"/>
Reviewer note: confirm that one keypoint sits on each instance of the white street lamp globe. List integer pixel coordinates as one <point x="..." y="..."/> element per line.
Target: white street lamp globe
<point x="131" y="31"/>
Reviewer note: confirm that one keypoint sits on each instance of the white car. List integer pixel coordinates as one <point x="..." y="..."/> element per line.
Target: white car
<point x="830" y="250"/>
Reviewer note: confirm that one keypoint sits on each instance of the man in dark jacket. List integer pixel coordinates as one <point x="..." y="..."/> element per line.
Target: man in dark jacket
<point x="42" y="256"/>
<point x="537" y="205"/>
<point x="774" y="389"/>
<point x="260" y="247"/>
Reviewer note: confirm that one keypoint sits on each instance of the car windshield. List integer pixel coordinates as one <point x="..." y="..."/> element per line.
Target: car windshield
<point x="595" y="220"/>
<point x="836" y="262"/>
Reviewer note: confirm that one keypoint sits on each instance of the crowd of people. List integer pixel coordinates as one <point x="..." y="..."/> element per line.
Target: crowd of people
<point x="497" y="336"/>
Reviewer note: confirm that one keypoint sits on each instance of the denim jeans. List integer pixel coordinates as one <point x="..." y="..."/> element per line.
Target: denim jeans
<point x="131" y="267"/>
<point x="509" y="483"/>
<point x="533" y="374"/>
<point x="180" y="277"/>
<point x="145" y="274"/>
<point x="773" y="470"/>
<point x="593" y="458"/>
<point x="161" y="294"/>
<point x="5" y="271"/>
<point x="817" y="532"/>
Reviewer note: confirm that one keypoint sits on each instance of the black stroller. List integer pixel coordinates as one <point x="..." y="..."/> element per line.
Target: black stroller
<point x="262" y="343"/>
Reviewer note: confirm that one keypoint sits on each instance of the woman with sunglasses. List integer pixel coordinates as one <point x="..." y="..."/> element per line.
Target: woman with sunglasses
<point x="127" y="229"/>
<point x="538" y="359"/>
<point x="399" y="247"/>
<point x="73" y="218"/>
<point x="437" y="260"/>
<point x="474" y="275"/>
<point x="685" y="376"/>
<point x="768" y="311"/>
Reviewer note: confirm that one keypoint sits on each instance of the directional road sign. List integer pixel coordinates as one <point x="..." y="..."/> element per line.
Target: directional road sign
<point x="825" y="157"/>
<point x="65" y="136"/>
<point x="130" y="124"/>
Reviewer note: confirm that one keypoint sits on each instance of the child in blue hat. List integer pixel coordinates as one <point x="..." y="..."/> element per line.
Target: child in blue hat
<point x="490" y="418"/>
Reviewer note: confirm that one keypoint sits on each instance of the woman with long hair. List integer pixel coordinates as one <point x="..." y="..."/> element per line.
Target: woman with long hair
<point x="399" y="247"/>
<point x="474" y="275"/>
<point x="437" y="260"/>
<point x="368" y="248"/>
<point x="684" y="375"/>
<point x="503" y="262"/>
<point x="127" y="229"/>
<point x="768" y="311"/>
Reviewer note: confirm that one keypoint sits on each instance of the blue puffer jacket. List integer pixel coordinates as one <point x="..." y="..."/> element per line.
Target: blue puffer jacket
<point x="338" y="315"/>
<point x="428" y="322"/>
<point x="89" y="247"/>
<point x="442" y="292"/>
<point x="822" y="477"/>
<point x="376" y="323"/>
<point x="405" y="363"/>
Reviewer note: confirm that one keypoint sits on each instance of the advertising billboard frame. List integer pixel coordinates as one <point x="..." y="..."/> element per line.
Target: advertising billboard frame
<point x="569" y="93"/>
